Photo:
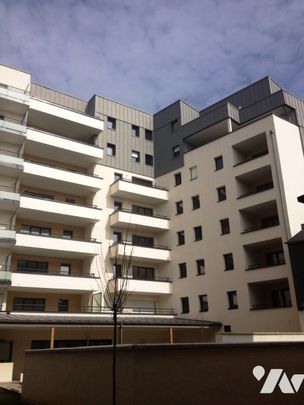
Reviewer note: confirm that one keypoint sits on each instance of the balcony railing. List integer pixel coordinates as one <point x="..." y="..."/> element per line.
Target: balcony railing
<point x="158" y="279"/>
<point x="129" y="243"/>
<point x="12" y="124"/>
<point x="268" y="187"/>
<point x="143" y="183"/>
<point x="52" y="273"/>
<point x="252" y="158"/>
<point x="258" y="228"/>
<point x="48" y="198"/>
<point x="5" y="275"/>
<point x="88" y="309"/>
<point x="269" y="306"/>
<point x="4" y="86"/>
<point x="63" y="168"/>
<point x="58" y="236"/>
<point x="260" y="266"/>
<point x="10" y="153"/>
<point x="139" y="213"/>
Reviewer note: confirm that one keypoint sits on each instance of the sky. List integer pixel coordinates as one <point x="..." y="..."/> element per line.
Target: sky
<point x="150" y="53"/>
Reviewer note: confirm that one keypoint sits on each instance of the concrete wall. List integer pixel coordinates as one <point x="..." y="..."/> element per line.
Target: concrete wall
<point x="161" y="374"/>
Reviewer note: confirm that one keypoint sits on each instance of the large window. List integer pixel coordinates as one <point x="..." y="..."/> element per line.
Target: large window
<point x="281" y="298"/>
<point x="232" y="300"/>
<point x="181" y="237"/>
<point x="185" y="305"/>
<point x="182" y="270"/>
<point x="203" y="302"/>
<point x="35" y="230"/>
<point x="142" y="210"/>
<point x="28" y="304"/>
<point x="31" y="266"/>
<point x="275" y="258"/>
<point x="117" y="237"/>
<point x="143" y="273"/>
<point x="142" y="241"/>
<point x="200" y="267"/>
<point x="65" y="269"/>
<point x="111" y="123"/>
<point x="195" y="202"/>
<point x="198" y="233"/>
<point x="221" y="193"/>
<point x="63" y="305"/>
<point x="5" y="352"/>
<point x="225" y="226"/>
<point x="228" y="260"/>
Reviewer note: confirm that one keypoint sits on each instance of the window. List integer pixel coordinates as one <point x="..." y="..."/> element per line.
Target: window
<point x="221" y="193"/>
<point x="63" y="305"/>
<point x="117" y="206"/>
<point x="198" y="233"/>
<point x="176" y="151"/>
<point x="142" y="241"/>
<point x="135" y="131"/>
<point x="5" y="350"/>
<point x="117" y="237"/>
<point x="29" y="266"/>
<point x="219" y="163"/>
<point x="178" y="179"/>
<point x="65" y="269"/>
<point x="227" y="328"/>
<point x="232" y="300"/>
<point x="195" y="202"/>
<point x="200" y="267"/>
<point x="149" y="160"/>
<point x="142" y="182"/>
<point x="228" y="259"/>
<point x="268" y="222"/>
<point x="67" y="234"/>
<point x="275" y="258"/>
<point x="111" y="123"/>
<point x="193" y="173"/>
<point x="182" y="270"/>
<point x="264" y="186"/>
<point x="117" y="270"/>
<point x="174" y="125"/>
<point x="143" y="273"/>
<point x="203" y="302"/>
<point x="111" y="149"/>
<point x="185" y="305"/>
<point x="179" y="207"/>
<point x="225" y="227"/>
<point x="28" y="304"/>
<point x="281" y="298"/>
<point x="180" y="238"/>
<point x="142" y="210"/>
<point x="148" y="135"/>
<point x="117" y="176"/>
<point x="135" y="155"/>
<point x="35" y="230"/>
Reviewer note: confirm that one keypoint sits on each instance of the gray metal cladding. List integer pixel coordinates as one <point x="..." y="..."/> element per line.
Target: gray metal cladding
<point x="262" y="107"/>
<point x="57" y="97"/>
<point x="188" y="113"/>
<point x="274" y="87"/>
<point x="167" y="115"/>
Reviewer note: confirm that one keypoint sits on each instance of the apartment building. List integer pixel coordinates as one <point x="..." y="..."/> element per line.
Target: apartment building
<point x="199" y="203"/>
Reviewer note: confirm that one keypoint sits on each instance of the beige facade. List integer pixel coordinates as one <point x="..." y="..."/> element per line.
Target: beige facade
<point x="211" y="249"/>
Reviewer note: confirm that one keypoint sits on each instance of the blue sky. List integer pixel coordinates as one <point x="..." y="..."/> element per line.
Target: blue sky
<point x="150" y="53"/>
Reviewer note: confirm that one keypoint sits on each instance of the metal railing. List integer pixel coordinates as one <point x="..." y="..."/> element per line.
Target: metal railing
<point x="158" y="279"/>
<point x="251" y="158"/>
<point x="269" y="306"/>
<point x="62" y="168"/>
<point x="7" y="227"/>
<point x="40" y="197"/>
<point x="258" y="228"/>
<point x="16" y="89"/>
<point x="129" y="243"/>
<point x="254" y="192"/>
<point x="139" y="213"/>
<point x="57" y="236"/>
<point x="10" y="153"/>
<point x="141" y="184"/>
<point x="262" y="265"/>
<point x="51" y="273"/>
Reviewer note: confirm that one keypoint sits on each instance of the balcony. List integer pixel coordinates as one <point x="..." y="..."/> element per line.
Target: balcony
<point x="127" y="219"/>
<point x="13" y="99"/>
<point x="250" y="149"/>
<point x="12" y="130"/>
<point x="9" y="199"/>
<point x="53" y="282"/>
<point x="50" y="210"/>
<point x="269" y="295"/>
<point x="157" y="286"/>
<point x="11" y="163"/>
<point x="7" y="235"/>
<point x="41" y="175"/>
<point x="136" y="191"/>
<point x="55" y="246"/>
<point x="5" y="275"/>
<point x="64" y="121"/>
<point x="126" y="249"/>
<point x="62" y="149"/>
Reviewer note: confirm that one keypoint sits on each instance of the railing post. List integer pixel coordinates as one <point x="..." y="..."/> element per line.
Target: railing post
<point x="171" y="335"/>
<point x="52" y="338"/>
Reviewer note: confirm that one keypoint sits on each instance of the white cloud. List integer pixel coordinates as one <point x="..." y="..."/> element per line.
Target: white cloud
<point x="149" y="53"/>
